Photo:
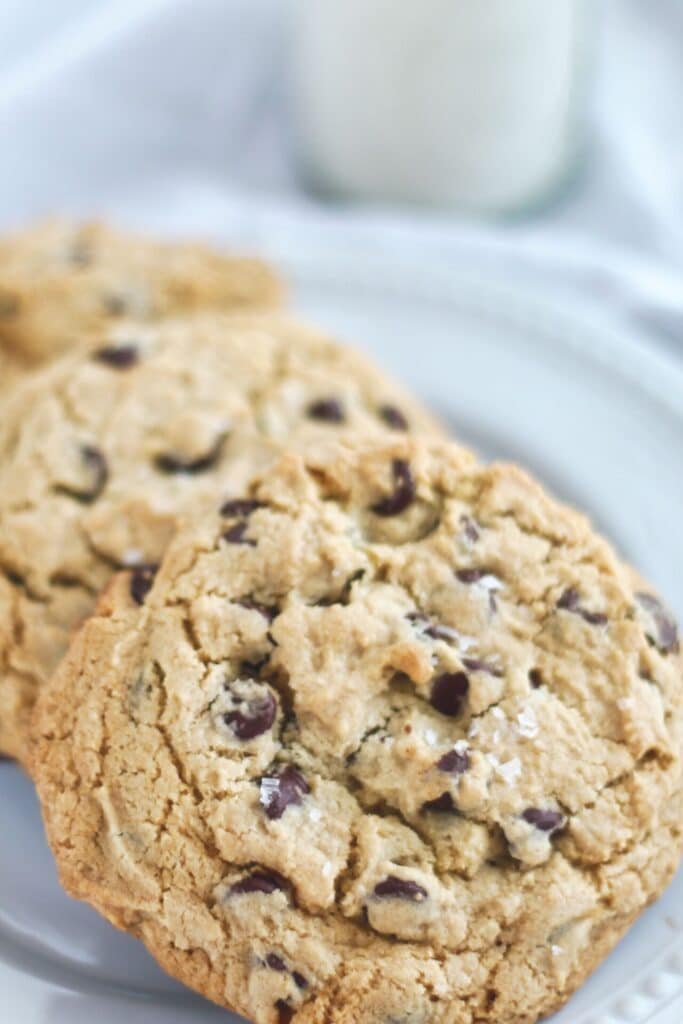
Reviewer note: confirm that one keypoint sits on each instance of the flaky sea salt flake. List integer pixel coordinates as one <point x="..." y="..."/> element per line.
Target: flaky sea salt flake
<point x="510" y="771"/>
<point x="526" y="723"/>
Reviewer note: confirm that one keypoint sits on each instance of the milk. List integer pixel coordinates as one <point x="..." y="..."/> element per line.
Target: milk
<point x="466" y="103"/>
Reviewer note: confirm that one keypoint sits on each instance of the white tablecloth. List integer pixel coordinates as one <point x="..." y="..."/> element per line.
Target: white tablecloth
<point x="172" y="114"/>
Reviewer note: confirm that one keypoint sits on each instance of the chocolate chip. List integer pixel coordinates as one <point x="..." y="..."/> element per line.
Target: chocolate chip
<point x="240" y="507"/>
<point x="438" y="631"/>
<point x="328" y="410"/>
<point x="256" y="717"/>
<point x="275" y="962"/>
<point x="403" y="494"/>
<point x="281" y="790"/>
<point x="593" y="618"/>
<point x="252" y="668"/>
<point x="97" y="471"/>
<point x="442" y="805"/>
<point x="393" y="417"/>
<point x="96" y="465"/>
<point x="417" y="618"/>
<point x="120" y="357"/>
<point x="285" y="1013"/>
<point x="570" y="602"/>
<point x="543" y="819"/>
<point x="469" y="529"/>
<point x="471" y="575"/>
<point x="535" y="678"/>
<point x="454" y="762"/>
<point x="268" y="611"/>
<point x="661" y="630"/>
<point x="235" y="535"/>
<point x="115" y="304"/>
<point x="477" y="665"/>
<point x="141" y="580"/>
<point x="299" y="980"/>
<point x="265" y="882"/>
<point x="401" y="889"/>
<point x="448" y="692"/>
<point x="167" y="463"/>
<point x="435" y="630"/>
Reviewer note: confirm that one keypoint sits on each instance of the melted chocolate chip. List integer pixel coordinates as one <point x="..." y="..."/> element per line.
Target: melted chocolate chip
<point x="442" y="805"/>
<point x="543" y="819"/>
<point x="299" y="980"/>
<point x="448" y="693"/>
<point x="282" y="790"/>
<point x="120" y="357"/>
<point x="114" y="304"/>
<point x="275" y="962"/>
<point x="438" y="631"/>
<point x="471" y="575"/>
<point x="256" y="717"/>
<point x="240" y="507"/>
<point x="403" y="494"/>
<point x="662" y="630"/>
<point x="401" y="889"/>
<point x="252" y="668"/>
<point x="417" y="618"/>
<point x="594" y="618"/>
<point x="393" y="417"/>
<point x="268" y="611"/>
<point x="454" y="762"/>
<point x="469" y="529"/>
<point x="168" y="463"/>
<point x="97" y="467"/>
<point x="141" y="580"/>
<point x="265" y="882"/>
<point x="435" y="630"/>
<point x="235" y="535"/>
<point x="477" y="665"/>
<point x="328" y="410"/>
<point x="571" y="602"/>
<point x="535" y="678"/>
<point x="285" y="1013"/>
<point x="97" y="471"/>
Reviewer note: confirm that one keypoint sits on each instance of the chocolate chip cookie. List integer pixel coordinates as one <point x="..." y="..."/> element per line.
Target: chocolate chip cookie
<point x="61" y="282"/>
<point x="102" y="452"/>
<point x="390" y="736"/>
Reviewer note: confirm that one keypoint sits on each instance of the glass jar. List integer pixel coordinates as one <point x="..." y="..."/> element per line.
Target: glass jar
<point x="472" y="104"/>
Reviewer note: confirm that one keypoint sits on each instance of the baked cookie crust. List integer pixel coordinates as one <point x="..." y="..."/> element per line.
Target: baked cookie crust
<point x="391" y="736"/>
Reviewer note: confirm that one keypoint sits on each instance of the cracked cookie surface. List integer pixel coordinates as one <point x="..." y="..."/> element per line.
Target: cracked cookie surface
<point x="61" y="283"/>
<point x="102" y="452"/>
<point x="390" y="737"/>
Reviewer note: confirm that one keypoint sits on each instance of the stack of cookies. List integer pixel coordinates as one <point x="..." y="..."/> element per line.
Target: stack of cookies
<point x="344" y="725"/>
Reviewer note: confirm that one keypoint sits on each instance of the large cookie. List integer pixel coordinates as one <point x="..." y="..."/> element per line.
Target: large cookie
<point x="60" y="283"/>
<point x="102" y="452"/>
<point x="392" y="738"/>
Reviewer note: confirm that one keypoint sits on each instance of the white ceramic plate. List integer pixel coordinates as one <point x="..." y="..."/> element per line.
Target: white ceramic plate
<point x="598" y="417"/>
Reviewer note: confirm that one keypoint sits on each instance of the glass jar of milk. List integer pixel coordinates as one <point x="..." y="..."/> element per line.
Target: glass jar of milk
<point x="474" y="104"/>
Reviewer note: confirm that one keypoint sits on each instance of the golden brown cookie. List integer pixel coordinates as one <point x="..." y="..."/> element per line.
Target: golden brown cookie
<point x="392" y="737"/>
<point x="61" y="283"/>
<point x="101" y="453"/>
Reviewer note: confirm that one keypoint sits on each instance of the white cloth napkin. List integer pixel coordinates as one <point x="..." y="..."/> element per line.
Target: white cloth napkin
<point x="172" y="114"/>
